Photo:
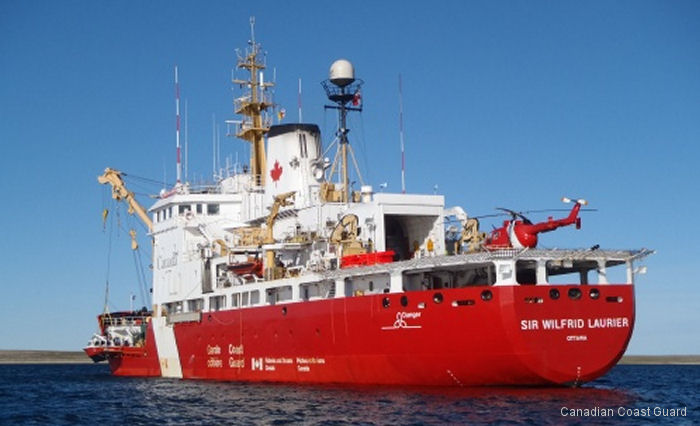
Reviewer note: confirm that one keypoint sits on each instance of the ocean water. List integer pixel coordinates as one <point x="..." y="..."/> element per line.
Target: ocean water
<point x="88" y="394"/>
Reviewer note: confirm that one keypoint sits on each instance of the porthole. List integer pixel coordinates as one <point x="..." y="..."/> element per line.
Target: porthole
<point x="486" y="295"/>
<point x="404" y="301"/>
<point x="386" y="302"/>
<point x="594" y="293"/>
<point x="554" y="294"/>
<point x="574" y="293"/>
<point x="437" y="298"/>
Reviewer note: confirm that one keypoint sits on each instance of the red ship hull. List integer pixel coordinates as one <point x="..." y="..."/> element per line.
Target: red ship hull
<point x="141" y="361"/>
<point x="520" y="336"/>
<point x="96" y="354"/>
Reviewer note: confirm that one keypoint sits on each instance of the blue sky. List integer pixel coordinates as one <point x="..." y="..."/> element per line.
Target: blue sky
<point x="510" y="104"/>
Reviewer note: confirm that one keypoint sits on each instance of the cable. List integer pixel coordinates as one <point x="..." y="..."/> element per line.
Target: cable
<point x="363" y="143"/>
<point x="140" y="276"/>
<point x="148" y="180"/>
<point x="109" y="265"/>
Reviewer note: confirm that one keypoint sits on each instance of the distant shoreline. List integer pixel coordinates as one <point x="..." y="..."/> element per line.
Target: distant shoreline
<point x="43" y="357"/>
<point x="79" y="357"/>
<point x="660" y="359"/>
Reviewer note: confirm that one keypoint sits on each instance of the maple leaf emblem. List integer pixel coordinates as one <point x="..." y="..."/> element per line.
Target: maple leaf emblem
<point x="276" y="172"/>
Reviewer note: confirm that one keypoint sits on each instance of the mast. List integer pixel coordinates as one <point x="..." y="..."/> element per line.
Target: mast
<point x="251" y="105"/>
<point x="343" y="130"/>
<point x="186" y="142"/>
<point x="342" y="88"/>
<point x="403" y="155"/>
<point x="299" y="101"/>
<point x="213" y="146"/>
<point x="177" y="126"/>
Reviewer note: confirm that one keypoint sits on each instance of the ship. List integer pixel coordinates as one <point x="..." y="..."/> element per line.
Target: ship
<point x="283" y="272"/>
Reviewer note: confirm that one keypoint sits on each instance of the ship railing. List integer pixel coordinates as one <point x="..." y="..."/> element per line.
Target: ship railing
<point x="254" y="182"/>
<point x="130" y="320"/>
<point x="203" y="188"/>
<point x="173" y="318"/>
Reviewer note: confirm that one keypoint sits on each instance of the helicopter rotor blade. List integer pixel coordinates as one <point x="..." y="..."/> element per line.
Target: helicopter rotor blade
<point x="484" y="216"/>
<point x="515" y="214"/>
<point x="509" y="211"/>
<point x="556" y="210"/>
<point x="521" y="214"/>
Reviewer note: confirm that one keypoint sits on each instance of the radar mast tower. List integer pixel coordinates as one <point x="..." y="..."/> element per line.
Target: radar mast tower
<point x="252" y="106"/>
<point x="342" y="88"/>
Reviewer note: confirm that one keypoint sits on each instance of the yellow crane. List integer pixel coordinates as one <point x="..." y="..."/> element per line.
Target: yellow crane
<point x="346" y="234"/>
<point x="120" y="193"/>
<point x="281" y="200"/>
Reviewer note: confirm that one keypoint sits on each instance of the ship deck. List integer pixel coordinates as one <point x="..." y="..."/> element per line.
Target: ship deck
<point x="613" y="256"/>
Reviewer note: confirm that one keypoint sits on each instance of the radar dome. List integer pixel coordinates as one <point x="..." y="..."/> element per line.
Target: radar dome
<point x="342" y="73"/>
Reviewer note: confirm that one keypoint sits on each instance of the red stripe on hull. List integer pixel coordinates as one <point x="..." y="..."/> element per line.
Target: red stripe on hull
<point x="521" y="336"/>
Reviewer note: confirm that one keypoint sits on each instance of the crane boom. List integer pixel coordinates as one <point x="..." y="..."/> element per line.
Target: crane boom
<point x="281" y="200"/>
<point x="120" y="193"/>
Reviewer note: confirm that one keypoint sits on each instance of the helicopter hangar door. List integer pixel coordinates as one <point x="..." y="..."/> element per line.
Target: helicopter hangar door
<point x="406" y="234"/>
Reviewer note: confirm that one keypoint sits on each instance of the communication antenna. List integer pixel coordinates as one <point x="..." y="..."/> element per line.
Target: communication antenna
<point x="213" y="145"/>
<point x="299" y="101"/>
<point x="343" y="89"/>
<point x="177" y="125"/>
<point x="186" y="141"/>
<point x="218" y="150"/>
<point x="403" y="155"/>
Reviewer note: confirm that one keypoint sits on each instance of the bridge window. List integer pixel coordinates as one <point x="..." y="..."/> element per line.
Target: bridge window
<point x="255" y="297"/>
<point x="570" y="271"/>
<point x="195" y="305"/>
<point x="474" y="275"/>
<point x="318" y="290"/>
<point x="212" y="209"/>
<point x="279" y="294"/>
<point x="302" y="145"/>
<point x="245" y="298"/>
<point x="217" y="303"/>
<point x="526" y="271"/>
<point x="173" y="307"/>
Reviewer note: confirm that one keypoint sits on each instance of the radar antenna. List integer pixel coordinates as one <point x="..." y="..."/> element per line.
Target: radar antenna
<point x="343" y="89"/>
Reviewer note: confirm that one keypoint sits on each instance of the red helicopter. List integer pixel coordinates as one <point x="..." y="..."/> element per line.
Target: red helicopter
<point x="520" y="232"/>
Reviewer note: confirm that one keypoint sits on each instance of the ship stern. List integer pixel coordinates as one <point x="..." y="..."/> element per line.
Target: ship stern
<point x="569" y="334"/>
